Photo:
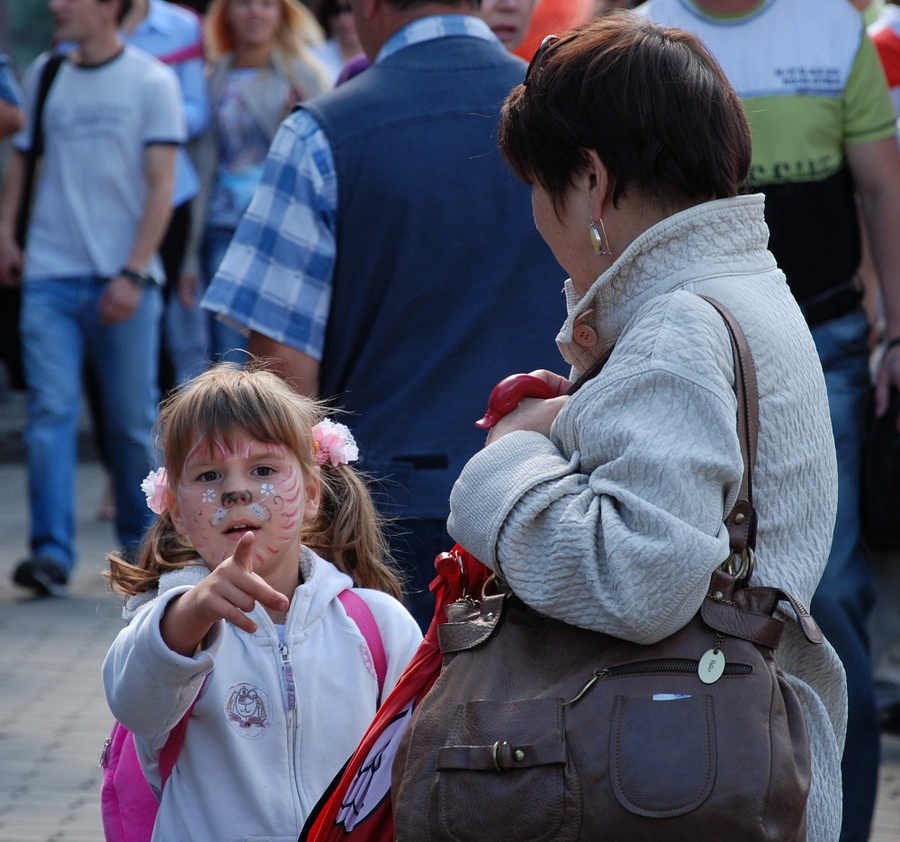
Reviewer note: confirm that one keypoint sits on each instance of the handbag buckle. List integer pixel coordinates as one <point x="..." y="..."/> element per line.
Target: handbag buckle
<point x="741" y="566"/>
<point x="496" y="748"/>
<point x="493" y="586"/>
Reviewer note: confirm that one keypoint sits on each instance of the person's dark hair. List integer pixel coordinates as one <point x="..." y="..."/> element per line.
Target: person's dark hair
<point x="325" y="11"/>
<point x="651" y="101"/>
<point x="402" y="5"/>
<point x="124" y="9"/>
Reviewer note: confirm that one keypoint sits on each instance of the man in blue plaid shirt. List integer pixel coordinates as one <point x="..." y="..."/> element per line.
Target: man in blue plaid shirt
<point x="389" y="261"/>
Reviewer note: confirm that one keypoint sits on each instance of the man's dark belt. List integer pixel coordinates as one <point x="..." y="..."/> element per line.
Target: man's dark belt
<point x="831" y="304"/>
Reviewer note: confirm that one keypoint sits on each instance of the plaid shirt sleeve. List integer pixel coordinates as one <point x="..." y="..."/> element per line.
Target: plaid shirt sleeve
<point x="276" y="276"/>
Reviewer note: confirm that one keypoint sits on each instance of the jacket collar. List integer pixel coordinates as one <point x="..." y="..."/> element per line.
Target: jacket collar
<point x="721" y="237"/>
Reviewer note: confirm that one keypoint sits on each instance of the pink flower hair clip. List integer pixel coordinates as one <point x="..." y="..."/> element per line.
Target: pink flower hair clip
<point x="156" y="487"/>
<point x="333" y="443"/>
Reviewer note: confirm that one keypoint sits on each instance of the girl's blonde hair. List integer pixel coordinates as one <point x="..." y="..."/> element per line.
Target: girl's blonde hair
<point x="298" y="30"/>
<point x="224" y="402"/>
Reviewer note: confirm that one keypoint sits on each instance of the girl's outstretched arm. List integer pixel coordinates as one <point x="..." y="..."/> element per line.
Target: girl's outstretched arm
<point x="229" y="592"/>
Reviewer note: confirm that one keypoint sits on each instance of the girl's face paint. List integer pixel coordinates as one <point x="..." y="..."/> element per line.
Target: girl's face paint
<point x="226" y="491"/>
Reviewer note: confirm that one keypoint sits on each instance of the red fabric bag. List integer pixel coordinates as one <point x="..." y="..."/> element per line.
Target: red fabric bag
<point x="357" y="806"/>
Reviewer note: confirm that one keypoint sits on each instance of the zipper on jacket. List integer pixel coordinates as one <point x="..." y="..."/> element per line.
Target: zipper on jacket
<point x="681" y="666"/>
<point x="292" y="722"/>
<point x="288" y="672"/>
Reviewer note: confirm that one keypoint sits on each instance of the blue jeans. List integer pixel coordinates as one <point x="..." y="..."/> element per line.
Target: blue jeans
<point x="196" y="337"/>
<point x="224" y="342"/>
<point x="60" y="324"/>
<point x="846" y="594"/>
<point x="186" y="338"/>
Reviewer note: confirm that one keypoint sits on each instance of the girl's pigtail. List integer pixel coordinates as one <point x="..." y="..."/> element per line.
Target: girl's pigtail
<point x="349" y="531"/>
<point x="161" y="550"/>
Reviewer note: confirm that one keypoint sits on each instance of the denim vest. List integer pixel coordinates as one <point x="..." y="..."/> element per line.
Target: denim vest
<point x="442" y="284"/>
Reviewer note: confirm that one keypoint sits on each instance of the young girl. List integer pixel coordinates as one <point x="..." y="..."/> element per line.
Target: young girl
<point x="233" y="604"/>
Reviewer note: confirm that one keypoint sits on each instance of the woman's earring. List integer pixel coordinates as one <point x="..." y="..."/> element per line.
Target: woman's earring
<point x="599" y="242"/>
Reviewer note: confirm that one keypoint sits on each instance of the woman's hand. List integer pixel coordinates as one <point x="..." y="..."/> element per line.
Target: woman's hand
<point x="512" y="390"/>
<point x="888" y="378"/>
<point x="188" y="288"/>
<point x="532" y="414"/>
<point x="537" y="414"/>
<point x="560" y="385"/>
<point x="119" y="300"/>
<point x="10" y="259"/>
<point x="229" y="593"/>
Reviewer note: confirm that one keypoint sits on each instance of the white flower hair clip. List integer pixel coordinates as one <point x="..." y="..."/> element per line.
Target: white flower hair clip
<point x="156" y="486"/>
<point x="333" y="443"/>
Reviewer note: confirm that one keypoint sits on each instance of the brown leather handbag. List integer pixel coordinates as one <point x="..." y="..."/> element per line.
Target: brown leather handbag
<point x="543" y="732"/>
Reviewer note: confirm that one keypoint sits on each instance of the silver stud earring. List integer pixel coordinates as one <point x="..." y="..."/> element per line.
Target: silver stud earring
<point x="599" y="242"/>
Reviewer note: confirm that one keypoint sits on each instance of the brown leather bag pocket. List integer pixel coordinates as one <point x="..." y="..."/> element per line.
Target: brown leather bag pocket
<point x="662" y="754"/>
<point x="503" y="766"/>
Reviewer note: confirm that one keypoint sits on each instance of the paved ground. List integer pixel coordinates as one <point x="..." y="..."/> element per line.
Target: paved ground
<point x="50" y="654"/>
<point x="56" y="717"/>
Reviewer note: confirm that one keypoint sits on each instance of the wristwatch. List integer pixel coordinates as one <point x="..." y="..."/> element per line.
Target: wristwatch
<point x="140" y="278"/>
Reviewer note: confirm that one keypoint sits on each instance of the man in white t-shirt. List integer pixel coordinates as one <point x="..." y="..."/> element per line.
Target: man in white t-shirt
<point x="90" y="275"/>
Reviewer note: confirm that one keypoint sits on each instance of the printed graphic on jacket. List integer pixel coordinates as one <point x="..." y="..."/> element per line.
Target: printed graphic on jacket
<point x="247" y="710"/>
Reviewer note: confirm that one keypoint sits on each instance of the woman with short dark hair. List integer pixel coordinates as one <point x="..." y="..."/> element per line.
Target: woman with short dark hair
<point x="605" y="509"/>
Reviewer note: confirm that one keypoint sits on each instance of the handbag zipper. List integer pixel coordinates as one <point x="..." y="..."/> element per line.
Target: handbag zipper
<point x="684" y="666"/>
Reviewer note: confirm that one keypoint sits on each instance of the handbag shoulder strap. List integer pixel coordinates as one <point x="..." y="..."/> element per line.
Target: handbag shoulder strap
<point x="741" y="520"/>
<point x="36" y="147"/>
<point x="48" y="74"/>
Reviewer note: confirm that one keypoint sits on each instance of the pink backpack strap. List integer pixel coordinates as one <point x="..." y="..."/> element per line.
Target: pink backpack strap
<point x="170" y="751"/>
<point x="358" y="610"/>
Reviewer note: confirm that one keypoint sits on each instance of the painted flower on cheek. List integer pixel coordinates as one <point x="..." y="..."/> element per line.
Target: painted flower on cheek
<point x="155" y="486"/>
<point x="209" y="495"/>
<point x="266" y="489"/>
